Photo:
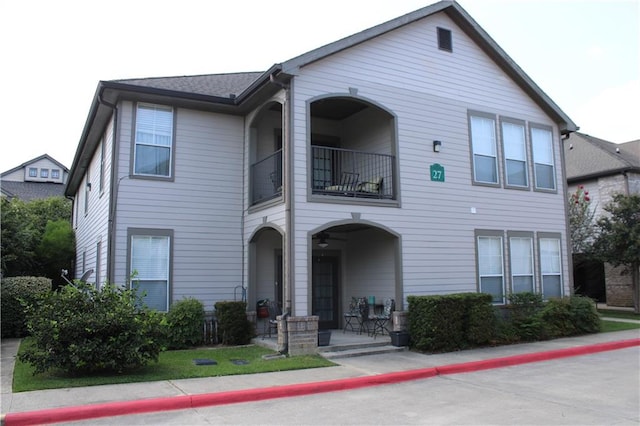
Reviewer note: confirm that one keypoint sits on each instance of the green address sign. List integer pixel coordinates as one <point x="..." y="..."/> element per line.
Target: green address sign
<point x="437" y="173"/>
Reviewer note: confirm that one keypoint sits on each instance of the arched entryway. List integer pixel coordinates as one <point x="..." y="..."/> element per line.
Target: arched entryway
<point x="266" y="266"/>
<point x="352" y="260"/>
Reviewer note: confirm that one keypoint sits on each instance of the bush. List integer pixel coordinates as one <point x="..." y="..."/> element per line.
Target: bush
<point x="14" y="289"/>
<point x="570" y="316"/>
<point x="233" y="326"/>
<point x="524" y="314"/>
<point x="185" y="321"/>
<point x="481" y="318"/>
<point x="450" y="322"/>
<point x="81" y="330"/>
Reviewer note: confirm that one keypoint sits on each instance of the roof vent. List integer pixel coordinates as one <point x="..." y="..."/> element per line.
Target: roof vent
<point x="444" y="40"/>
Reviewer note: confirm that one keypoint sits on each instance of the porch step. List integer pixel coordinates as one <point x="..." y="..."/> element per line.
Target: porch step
<point x="353" y="350"/>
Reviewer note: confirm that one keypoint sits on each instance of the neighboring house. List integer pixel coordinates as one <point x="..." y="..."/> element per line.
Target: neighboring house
<point x="42" y="177"/>
<point x="413" y="158"/>
<point x="603" y="169"/>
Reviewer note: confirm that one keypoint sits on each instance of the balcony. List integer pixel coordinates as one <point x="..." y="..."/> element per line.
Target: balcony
<point x="350" y="173"/>
<point x="266" y="178"/>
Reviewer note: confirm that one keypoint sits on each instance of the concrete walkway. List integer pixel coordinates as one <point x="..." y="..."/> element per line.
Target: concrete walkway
<point x="358" y="371"/>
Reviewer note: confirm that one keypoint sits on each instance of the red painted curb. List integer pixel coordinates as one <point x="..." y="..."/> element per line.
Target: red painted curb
<point x="66" y="414"/>
<point x="535" y="357"/>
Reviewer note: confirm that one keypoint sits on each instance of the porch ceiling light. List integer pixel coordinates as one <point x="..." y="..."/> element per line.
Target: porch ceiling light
<point x="323" y="243"/>
<point x="436" y="146"/>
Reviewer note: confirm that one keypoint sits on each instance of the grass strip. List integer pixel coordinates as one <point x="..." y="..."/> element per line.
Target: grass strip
<point x="171" y="365"/>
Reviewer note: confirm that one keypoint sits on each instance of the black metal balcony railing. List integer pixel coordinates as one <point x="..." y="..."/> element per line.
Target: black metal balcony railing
<point x="335" y="172"/>
<point x="266" y="178"/>
<point x="344" y="172"/>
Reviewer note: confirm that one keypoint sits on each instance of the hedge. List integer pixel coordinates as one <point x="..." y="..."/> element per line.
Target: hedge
<point x="12" y="290"/>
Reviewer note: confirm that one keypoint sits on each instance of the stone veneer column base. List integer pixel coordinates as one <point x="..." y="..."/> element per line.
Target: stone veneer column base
<point x="302" y="333"/>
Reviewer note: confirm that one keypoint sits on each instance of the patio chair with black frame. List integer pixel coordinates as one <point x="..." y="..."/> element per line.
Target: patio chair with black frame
<point x="380" y="321"/>
<point x="355" y="318"/>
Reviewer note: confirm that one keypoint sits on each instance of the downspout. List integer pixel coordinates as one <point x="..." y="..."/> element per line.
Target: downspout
<point x="113" y="191"/>
<point x="288" y="262"/>
<point x="565" y="198"/>
<point x="73" y="209"/>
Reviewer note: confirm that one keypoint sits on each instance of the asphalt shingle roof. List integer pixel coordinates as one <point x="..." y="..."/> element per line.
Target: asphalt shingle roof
<point x="221" y="85"/>
<point x="28" y="191"/>
<point x="587" y="156"/>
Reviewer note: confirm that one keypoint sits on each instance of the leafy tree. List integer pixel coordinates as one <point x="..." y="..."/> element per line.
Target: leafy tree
<point x="581" y="221"/>
<point x="56" y="249"/>
<point x="23" y="225"/>
<point x="618" y="238"/>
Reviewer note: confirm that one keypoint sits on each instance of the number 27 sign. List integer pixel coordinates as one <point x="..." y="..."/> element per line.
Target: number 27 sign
<point x="437" y="172"/>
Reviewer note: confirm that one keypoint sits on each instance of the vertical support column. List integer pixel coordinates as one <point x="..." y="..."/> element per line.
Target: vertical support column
<point x="302" y="333"/>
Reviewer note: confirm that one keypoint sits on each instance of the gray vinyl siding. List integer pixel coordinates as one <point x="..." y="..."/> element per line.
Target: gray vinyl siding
<point x="93" y="227"/>
<point x="202" y="205"/>
<point x="430" y="92"/>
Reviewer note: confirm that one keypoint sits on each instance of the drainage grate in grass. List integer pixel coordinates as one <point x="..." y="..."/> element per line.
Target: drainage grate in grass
<point x="204" y="361"/>
<point x="239" y="361"/>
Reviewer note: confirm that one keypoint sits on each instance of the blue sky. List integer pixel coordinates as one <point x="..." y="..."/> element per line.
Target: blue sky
<point x="583" y="53"/>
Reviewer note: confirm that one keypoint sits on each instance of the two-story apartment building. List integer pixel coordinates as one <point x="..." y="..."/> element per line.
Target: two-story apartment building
<point x="412" y="158"/>
<point x="40" y="177"/>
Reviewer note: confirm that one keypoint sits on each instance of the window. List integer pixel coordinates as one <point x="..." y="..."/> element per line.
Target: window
<point x="444" y="40"/>
<point x="542" y="147"/>
<point x="515" y="154"/>
<point x="483" y="141"/>
<point x="55" y="174"/>
<point x="490" y="264"/>
<point x="44" y="173"/>
<point x="521" y="254"/>
<point x="101" y="177"/>
<point x="150" y="261"/>
<point x="153" y="140"/>
<point x="33" y="172"/>
<point x="87" y="190"/>
<point x="98" y="265"/>
<point x="550" y="266"/>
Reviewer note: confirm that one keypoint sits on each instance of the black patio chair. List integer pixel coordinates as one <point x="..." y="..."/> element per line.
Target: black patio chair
<point x="379" y="322"/>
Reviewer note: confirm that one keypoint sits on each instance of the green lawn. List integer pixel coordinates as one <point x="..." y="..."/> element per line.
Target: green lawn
<point x="173" y="365"/>
<point x="608" y="326"/>
<point x="612" y="313"/>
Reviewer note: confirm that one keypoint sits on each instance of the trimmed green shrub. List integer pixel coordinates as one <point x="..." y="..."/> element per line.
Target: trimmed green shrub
<point x="524" y="314"/>
<point x="185" y="321"/>
<point x="80" y="330"/>
<point x="570" y="316"/>
<point x="450" y="322"/>
<point x="233" y="326"/>
<point x="12" y="291"/>
<point x="481" y="318"/>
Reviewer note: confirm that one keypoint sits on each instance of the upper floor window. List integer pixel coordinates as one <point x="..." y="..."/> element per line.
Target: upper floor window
<point x="153" y="140"/>
<point x="44" y="173"/>
<point x="55" y="174"/>
<point x="515" y="154"/>
<point x="33" y="172"/>
<point x="542" y="148"/>
<point x="483" y="141"/>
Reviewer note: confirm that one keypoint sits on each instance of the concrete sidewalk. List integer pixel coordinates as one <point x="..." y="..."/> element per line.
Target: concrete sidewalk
<point x="374" y="367"/>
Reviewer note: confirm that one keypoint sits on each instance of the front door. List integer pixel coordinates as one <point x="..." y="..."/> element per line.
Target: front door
<point x="325" y="291"/>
